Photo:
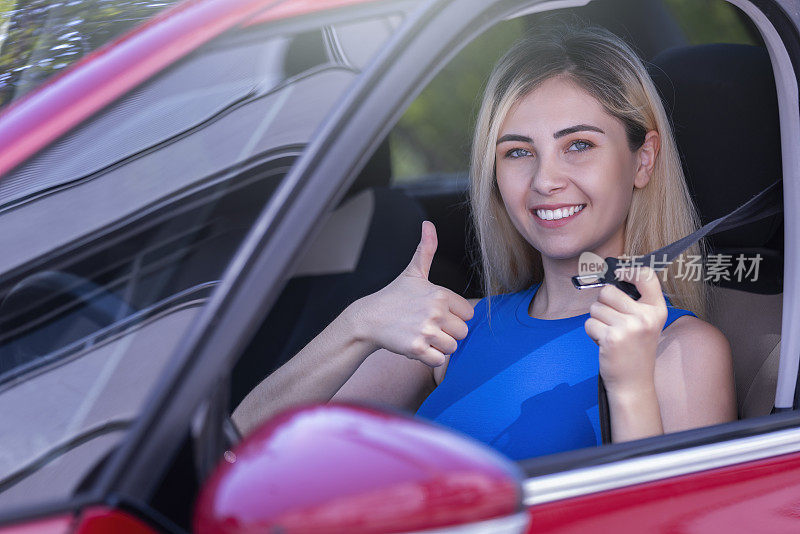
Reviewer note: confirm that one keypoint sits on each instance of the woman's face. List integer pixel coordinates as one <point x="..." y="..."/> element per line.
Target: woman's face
<point x="565" y="172"/>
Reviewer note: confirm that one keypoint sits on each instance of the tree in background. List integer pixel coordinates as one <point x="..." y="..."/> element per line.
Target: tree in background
<point x="42" y="37"/>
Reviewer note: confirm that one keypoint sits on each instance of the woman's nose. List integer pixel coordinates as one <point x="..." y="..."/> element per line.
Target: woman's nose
<point x="548" y="177"/>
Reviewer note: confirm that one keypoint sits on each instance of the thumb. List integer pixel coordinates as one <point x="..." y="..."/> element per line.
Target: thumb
<point x="423" y="257"/>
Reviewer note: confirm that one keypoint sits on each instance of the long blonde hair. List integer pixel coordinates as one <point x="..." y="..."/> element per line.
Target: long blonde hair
<point x="604" y="66"/>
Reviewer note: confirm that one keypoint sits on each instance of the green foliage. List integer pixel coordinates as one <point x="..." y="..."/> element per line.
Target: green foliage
<point x="5" y="7"/>
<point x="436" y="131"/>
<point x="42" y="37"/>
<point x="710" y="21"/>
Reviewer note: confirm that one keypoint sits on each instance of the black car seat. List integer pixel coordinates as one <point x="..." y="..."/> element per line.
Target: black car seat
<point x="722" y="103"/>
<point x="364" y="244"/>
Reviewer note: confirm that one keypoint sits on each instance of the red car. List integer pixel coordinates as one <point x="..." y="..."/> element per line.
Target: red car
<point x="190" y="192"/>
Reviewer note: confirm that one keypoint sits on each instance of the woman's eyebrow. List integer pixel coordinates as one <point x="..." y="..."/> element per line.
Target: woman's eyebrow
<point x="515" y="137"/>
<point x="577" y="128"/>
<point x="557" y="135"/>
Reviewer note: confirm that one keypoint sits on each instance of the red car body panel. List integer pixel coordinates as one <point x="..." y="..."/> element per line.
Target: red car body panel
<point x="378" y="473"/>
<point x="101" y="519"/>
<point x="298" y="8"/>
<point x="93" y="520"/>
<point x="759" y="496"/>
<point x="54" y="525"/>
<point x="68" y="99"/>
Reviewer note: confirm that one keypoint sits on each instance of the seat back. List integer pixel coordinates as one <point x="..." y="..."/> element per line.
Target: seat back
<point x="365" y="244"/>
<point x="722" y="103"/>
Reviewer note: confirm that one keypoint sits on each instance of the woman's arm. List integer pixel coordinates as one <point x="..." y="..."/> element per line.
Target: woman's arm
<point x="391" y="379"/>
<point x="314" y="374"/>
<point x="410" y="317"/>
<point x="693" y="385"/>
<point x="694" y="376"/>
<point x="659" y="381"/>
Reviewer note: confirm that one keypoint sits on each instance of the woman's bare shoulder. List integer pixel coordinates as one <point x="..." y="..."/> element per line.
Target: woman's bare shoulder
<point x="688" y="338"/>
<point x="689" y="329"/>
<point x="694" y="375"/>
<point x="438" y="372"/>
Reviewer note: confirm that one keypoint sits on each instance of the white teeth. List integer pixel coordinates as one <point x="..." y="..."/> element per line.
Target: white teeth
<point x="560" y="213"/>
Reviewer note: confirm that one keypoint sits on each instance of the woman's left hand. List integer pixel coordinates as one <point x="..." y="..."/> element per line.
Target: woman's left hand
<point x="627" y="332"/>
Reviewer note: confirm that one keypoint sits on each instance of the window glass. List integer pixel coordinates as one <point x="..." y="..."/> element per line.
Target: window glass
<point x="116" y="234"/>
<point x="435" y="133"/>
<point x="39" y="38"/>
<point x="431" y="142"/>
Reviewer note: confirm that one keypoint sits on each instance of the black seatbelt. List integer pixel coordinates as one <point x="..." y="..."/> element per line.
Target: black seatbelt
<point x="767" y="202"/>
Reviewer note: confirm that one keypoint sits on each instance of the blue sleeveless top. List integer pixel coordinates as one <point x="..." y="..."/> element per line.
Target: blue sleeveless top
<point x="525" y="386"/>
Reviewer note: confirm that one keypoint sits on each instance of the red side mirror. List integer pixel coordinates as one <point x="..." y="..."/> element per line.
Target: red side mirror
<point x="352" y="469"/>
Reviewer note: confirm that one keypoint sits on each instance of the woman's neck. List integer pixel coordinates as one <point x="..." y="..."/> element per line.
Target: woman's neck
<point x="556" y="297"/>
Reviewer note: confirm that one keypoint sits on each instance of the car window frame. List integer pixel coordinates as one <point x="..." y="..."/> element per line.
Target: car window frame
<point x="197" y="371"/>
<point x="95" y="494"/>
<point x="436" y="31"/>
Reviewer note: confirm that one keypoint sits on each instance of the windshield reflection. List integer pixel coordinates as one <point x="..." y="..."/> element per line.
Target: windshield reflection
<point x="39" y="38"/>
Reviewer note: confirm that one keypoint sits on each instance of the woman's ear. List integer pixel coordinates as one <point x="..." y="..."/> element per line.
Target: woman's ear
<point x="646" y="157"/>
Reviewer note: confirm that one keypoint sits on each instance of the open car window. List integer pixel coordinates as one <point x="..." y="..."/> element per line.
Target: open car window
<point x="420" y="171"/>
<point x="122" y="228"/>
<point x="694" y="51"/>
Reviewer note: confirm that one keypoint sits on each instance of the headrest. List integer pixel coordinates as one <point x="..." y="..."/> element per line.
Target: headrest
<point x="723" y="107"/>
<point x="376" y="173"/>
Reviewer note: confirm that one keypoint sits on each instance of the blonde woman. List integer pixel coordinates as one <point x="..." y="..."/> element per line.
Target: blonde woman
<point x="572" y="153"/>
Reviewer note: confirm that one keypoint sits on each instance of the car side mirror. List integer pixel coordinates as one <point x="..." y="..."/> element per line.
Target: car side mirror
<point x="357" y="469"/>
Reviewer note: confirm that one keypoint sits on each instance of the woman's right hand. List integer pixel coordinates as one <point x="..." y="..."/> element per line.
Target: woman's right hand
<point x="412" y="316"/>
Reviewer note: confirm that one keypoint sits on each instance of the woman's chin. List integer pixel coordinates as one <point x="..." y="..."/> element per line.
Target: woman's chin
<point x="561" y="253"/>
<point x="564" y="248"/>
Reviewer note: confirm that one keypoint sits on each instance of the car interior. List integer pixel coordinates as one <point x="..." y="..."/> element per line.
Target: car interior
<point x="722" y="104"/>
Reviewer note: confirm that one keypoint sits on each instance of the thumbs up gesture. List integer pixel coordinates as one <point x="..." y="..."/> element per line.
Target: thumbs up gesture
<point x="414" y="317"/>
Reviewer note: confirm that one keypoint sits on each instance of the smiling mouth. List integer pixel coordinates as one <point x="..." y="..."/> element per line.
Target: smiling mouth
<point x="559" y="213"/>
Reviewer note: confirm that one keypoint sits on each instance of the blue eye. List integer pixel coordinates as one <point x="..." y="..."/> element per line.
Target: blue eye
<point x="585" y="145"/>
<point x="515" y="153"/>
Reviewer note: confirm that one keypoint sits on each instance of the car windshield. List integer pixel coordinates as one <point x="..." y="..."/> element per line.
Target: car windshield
<point x="40" y="38"/>
<point x="121" y="229"/>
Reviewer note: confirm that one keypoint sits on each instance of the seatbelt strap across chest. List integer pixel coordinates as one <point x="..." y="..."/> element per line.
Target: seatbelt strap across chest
<point x="764" y="204"/>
